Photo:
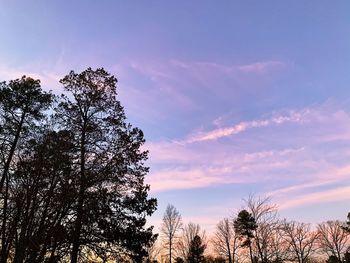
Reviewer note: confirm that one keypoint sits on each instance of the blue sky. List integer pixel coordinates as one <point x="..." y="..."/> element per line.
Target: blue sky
<point x="234" y="97"/>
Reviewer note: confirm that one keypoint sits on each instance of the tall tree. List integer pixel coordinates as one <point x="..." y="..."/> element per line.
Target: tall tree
<point x="171" y="224"/>
<point x="333" y="239"/>
<point x="22" y="103"/>
<point x="188" y="233"/>
<point x="112" y="200"/>
<point x="43" y="193"/>
<point x="244" y="226"/>
<point x="265" y="216"/>
<point x="196" y="250"/>
<point x="301" y="240"/>
<point x="225" y="240"/>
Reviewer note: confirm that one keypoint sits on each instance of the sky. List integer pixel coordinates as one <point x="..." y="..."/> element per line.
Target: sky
<point x="235" y="98"/>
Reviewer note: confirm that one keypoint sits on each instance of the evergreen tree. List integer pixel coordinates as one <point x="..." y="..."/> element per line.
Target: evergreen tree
<point x="112" y="200"/>
<point x="244" y="226"/>
<point x="196" y="250"/>
<point x="22" y="103"/>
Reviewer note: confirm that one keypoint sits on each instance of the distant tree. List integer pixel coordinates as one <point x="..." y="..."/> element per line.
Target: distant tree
<point x="302" y="241"/>
<point x="171" y="224"/>
<point x="333" y="239"/>
<point x="278" y="249"/>
<point x="244" y="226"/>
<point x="112" y="200"/>
<point x="188" y="233"/>
<point x="196" y="250"/>
<point x="265" y="215"/>
<point x="225" y="241"/>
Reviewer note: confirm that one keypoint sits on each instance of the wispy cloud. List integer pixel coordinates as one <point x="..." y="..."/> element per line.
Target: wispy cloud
<point x="243" y="126"/>
<point x="187" y="85"/>
<point x="261" y="67"/>
<point x="332" y="195"/>
<point x="282" y="154"/>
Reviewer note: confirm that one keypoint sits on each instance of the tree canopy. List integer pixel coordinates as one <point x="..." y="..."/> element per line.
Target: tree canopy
<point x="76" y="187"/>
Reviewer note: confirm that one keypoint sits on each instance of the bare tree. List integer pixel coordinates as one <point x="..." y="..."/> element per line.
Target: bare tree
<point x="301" y="240"/>
<point x="265" y="215"/>
<point x="188" y="233"/>
<point x="172" y="223"/>
<point x="278" y="246"/>
<point x="333" y="239"/>
<point x="225" y="241"/>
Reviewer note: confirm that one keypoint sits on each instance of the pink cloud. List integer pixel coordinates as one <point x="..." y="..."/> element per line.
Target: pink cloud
<point x="331" y="176"/>
<point x="243" y="126"/>
<point x="337" y="194"/>
<point x="191" y="168"/>
<point x="182" y="164"/>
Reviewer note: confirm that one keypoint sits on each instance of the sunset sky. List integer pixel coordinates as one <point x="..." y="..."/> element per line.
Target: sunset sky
<point x="234" y="97"/>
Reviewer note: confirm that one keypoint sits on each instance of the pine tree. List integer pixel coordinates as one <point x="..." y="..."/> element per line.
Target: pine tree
<point x="196" y="250"/>
<point x="244" y="226"/>
<point x="112" y="200"/>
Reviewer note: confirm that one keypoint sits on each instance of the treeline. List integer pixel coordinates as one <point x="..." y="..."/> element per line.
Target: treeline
<point x="71" y="174"/>
<point x="255" y="234"/>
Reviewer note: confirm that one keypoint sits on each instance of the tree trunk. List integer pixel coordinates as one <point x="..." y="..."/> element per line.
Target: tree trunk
<point x="81" y="197"/>
<point x="229" y="251"/>
<point x="12" y="152"/>
<point x="251" y="253"/>
<point x="170" y="248"/>
<point x="4" y="177"/>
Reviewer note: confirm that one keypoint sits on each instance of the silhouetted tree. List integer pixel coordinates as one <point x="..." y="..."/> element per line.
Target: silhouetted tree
<point x="171" y="224"/>
<point x="112" y="200"/>
<point x="333" y="239"/>
<point x="43" y="192"/>
<point x="22" y="103"/>
<point x="196" y="250"/>
<point x="301" y="239"/>
<point x="244" y="226"/>
<point x="225" y="240"/>
<point x="265" y="217"/>
<point x="188" y="233"/>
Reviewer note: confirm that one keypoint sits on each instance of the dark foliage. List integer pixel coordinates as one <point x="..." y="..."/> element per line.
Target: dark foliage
<point x="196" y="250"/>
<point x="244" y="226"/>
<point x="73" y="190"/>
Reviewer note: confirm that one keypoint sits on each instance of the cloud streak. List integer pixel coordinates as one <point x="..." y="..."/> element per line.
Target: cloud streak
<point x="336" y="194"/>
<point x="295" y="117"/>
<point x="293" y="152"/>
